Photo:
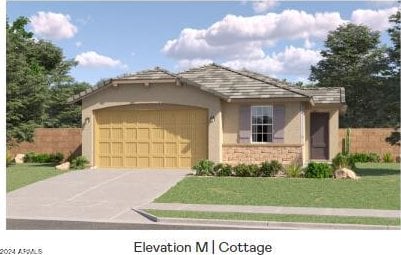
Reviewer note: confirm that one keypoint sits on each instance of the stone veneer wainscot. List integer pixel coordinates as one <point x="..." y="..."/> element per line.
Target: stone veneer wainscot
<point x="258" y="153"/>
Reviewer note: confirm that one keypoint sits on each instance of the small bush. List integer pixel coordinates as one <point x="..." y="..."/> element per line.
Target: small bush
<point x="223" y="170"/>
<point x="343" y="161"/>
<point x="42" y="158"/>
<point x="254" y="170"/>
<point x="374" y="157"/>
<point x="9" y="159"/>
<point x="294" y="171"/>
<point x="56" y="158"/>
<point x="32" y="157"/>
<point x="266" y="169"/>
<point x="29" y="157"/>
<point x="79" y="162"/>
<point x="241" y="170"/>
<point x="365" y="157"/>
<point x="244" y="170"/>
<point x="276" y="167"/>
<point x="388" y="158"/>
<point x="271" y="169"/>
<point x="318" y="170"/>
<point x="204" y="167"/>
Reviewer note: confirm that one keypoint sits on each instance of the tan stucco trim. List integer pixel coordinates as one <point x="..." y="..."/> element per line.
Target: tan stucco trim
<point x="135" y="81"/>
<point x="292" y="130"/>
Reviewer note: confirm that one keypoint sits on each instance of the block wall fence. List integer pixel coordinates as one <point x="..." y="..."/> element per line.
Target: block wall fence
<point x="370" y="140"/>
<point x="50" y="140"/>
<point x="68" y="141"/>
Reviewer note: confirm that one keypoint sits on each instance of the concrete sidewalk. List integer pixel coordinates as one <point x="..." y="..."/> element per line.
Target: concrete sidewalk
<point x="274" y="210"/>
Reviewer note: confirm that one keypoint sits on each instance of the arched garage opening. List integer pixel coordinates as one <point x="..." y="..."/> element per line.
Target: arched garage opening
<point x="150" y="136"/>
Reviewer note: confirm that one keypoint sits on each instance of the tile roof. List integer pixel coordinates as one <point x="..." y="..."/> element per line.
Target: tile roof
<point x="228" y="84"/>
<point x="320" y="95"/>
<point x="236" y="84"/>
<point x="329" y="95"/>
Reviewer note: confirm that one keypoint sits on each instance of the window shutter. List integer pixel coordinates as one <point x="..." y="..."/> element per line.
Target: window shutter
<point x="245" y="124"/>
<point x="278" y="123"/>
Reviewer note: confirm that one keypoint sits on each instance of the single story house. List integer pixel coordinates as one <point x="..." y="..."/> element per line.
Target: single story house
<point x="158" y="119"/>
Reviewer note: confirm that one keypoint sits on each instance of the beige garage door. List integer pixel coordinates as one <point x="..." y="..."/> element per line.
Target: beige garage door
<point x="150" y="138"/>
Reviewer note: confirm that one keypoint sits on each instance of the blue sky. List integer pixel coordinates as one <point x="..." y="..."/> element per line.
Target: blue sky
<point x="278" y="38"/>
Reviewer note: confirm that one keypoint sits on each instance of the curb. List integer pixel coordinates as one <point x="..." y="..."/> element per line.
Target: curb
<point x="345" y="212"/>
<point x="275" y="225"/>
<point x="262" y="225"/>
<point x="146" y="215"/>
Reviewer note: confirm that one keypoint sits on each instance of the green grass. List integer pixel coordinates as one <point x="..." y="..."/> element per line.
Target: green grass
<point x="20" y="175"/>
<point x="276" y="217"/>
<point x="378" y="188"/>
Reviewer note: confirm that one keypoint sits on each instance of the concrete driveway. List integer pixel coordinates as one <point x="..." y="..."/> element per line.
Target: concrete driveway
<point x="92" y="195"/>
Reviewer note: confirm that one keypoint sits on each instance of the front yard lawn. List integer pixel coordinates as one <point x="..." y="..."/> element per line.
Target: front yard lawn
<point x="276" y="217"/>
<point x="378" y="188"/>
<point x="20" y="175"/>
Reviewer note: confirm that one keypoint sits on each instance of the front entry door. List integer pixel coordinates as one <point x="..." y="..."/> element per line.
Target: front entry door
<point x="319" y="135"/>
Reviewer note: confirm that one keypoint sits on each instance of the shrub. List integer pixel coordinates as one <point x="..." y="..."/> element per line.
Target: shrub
<point x="29" y="157"/>
<point x="276" y="167"/>
<point x="318" y="170"/>
<point x="374" y="157"/>
<point x="42" y="158"/>
<point x="222" y="170"/>
<point x="343" y="161"/>
<point x="9" y="159"/>
<point x="266" y="169"/>
<point x="254" y="170"/>
<point x="32" y="157"/>
<point x="271" y="168"/>
<point x="388" y="158"/>
<point x="294" y="171"/>
<point x="56" y="158"/>
<point x="241" y="170"/>
<point x="79" y="162"/>
<point x="204" y="167"/>
<point x="365" y="157"/>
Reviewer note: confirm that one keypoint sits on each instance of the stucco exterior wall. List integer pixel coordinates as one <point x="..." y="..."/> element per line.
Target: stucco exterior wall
<point x="292" y="131"/>
<point x="333" y="129"/>
<point x="126" y="94"/>
<point x="230" y="113"/>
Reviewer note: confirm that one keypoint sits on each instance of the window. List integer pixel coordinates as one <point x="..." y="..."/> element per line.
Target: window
<point x="262" y="124"/>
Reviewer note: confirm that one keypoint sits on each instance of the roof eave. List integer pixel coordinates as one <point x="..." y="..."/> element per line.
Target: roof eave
<point x="143" y="81"/>
<point x="88" y="92"/>
<point x="272" y="99"/>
